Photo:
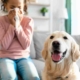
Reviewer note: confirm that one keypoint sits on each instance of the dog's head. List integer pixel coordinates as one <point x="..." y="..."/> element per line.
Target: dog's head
<point x="60" y="45"/>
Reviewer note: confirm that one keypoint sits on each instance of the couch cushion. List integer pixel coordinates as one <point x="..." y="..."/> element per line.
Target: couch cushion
<point x="77" y="38"/>
<point x="32" y="50"/>
<point x="39" y="39"/>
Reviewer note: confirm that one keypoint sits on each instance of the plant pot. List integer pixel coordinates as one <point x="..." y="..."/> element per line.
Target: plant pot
<point x="43" y="14"/>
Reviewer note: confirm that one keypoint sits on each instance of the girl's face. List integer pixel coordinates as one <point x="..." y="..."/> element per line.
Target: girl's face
<point x="11" y="4"/>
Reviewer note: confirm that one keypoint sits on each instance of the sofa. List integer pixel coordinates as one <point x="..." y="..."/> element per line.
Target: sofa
<point x="36" y="48"/>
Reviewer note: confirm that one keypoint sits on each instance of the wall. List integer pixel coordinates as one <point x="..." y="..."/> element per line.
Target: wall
<point x="54" y="13"/>
<point x="34" y="11"/>
<point x="53" y="23"/>
<point x="56" y="6"/>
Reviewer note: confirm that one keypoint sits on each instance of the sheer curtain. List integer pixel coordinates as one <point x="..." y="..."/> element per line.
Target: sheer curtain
<point x="75" y="13"/>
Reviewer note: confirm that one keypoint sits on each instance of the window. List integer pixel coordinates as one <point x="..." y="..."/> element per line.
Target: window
<point x="75" y="17"/>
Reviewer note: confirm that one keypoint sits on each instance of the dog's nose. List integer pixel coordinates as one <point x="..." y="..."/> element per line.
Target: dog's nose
<point x="55" y="44"/>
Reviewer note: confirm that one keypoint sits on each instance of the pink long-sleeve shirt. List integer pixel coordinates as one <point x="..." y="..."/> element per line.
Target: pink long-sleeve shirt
<point x="15" y="42"/>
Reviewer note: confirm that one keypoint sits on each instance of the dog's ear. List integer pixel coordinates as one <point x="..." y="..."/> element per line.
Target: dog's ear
<point x="45" y="50"/>
<point x="75" y="50"/>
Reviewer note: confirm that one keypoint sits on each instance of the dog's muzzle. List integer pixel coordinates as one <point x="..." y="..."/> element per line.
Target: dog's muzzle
<point x="56" y="54"/>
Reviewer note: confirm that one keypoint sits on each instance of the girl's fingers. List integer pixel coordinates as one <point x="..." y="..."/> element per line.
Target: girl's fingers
<point x="12" y="15"/>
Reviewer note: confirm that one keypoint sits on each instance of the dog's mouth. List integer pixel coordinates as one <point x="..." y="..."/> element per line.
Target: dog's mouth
<point x="57" y="55"/>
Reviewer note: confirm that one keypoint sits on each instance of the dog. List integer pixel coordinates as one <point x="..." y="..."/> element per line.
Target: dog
<point x="60" y="53"/>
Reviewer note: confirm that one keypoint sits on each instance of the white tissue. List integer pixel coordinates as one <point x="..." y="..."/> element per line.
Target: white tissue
<point x="17" y="18"/>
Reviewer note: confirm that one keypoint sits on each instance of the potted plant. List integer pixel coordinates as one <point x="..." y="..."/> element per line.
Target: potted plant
<point x="43" y="10"/>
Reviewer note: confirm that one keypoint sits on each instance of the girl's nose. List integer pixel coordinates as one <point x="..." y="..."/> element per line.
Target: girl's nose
<point x="18" y="11"/>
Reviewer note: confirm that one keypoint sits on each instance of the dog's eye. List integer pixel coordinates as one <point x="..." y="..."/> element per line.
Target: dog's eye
<point x="51" y="37"/>
<point x="65" y="37"/>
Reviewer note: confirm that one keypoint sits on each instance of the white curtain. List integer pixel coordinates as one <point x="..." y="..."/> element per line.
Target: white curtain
<point x="75" y="17"/>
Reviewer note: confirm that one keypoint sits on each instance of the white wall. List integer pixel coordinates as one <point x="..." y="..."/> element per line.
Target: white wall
<point x="57" y="5"/>
<point x="53" y="24"/>
<point x="34" y="11"/>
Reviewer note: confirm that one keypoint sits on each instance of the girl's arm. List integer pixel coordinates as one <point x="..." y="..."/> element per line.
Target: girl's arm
<point x="25" y="35"/>
<point x="6" y="37"/>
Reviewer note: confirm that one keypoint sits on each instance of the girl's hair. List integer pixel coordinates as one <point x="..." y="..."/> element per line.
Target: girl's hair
<point x="5" y="1"/>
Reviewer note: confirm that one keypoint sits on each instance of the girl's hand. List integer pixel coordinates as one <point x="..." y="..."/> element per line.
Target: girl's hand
<point x="12" y="14"/>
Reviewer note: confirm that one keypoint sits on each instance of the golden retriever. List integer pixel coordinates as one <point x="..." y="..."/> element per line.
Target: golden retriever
<point x="60" y="53"/>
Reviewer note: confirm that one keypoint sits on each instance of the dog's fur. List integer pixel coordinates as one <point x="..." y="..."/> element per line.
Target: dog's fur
<point x="66" y="68"/>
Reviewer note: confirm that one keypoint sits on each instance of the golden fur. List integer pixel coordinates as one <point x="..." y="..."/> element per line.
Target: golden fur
<point x="66" y="69"/>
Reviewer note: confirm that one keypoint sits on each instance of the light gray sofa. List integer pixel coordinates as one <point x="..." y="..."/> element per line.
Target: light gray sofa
<point x="36" y="48"/>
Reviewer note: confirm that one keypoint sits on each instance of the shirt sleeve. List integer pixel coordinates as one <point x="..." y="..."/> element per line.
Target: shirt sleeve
<point x="25" y="35"/>
<point x="6" y="37"/>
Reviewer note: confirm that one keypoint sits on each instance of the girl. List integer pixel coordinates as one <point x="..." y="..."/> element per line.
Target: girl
<point x="15" y="43"/>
